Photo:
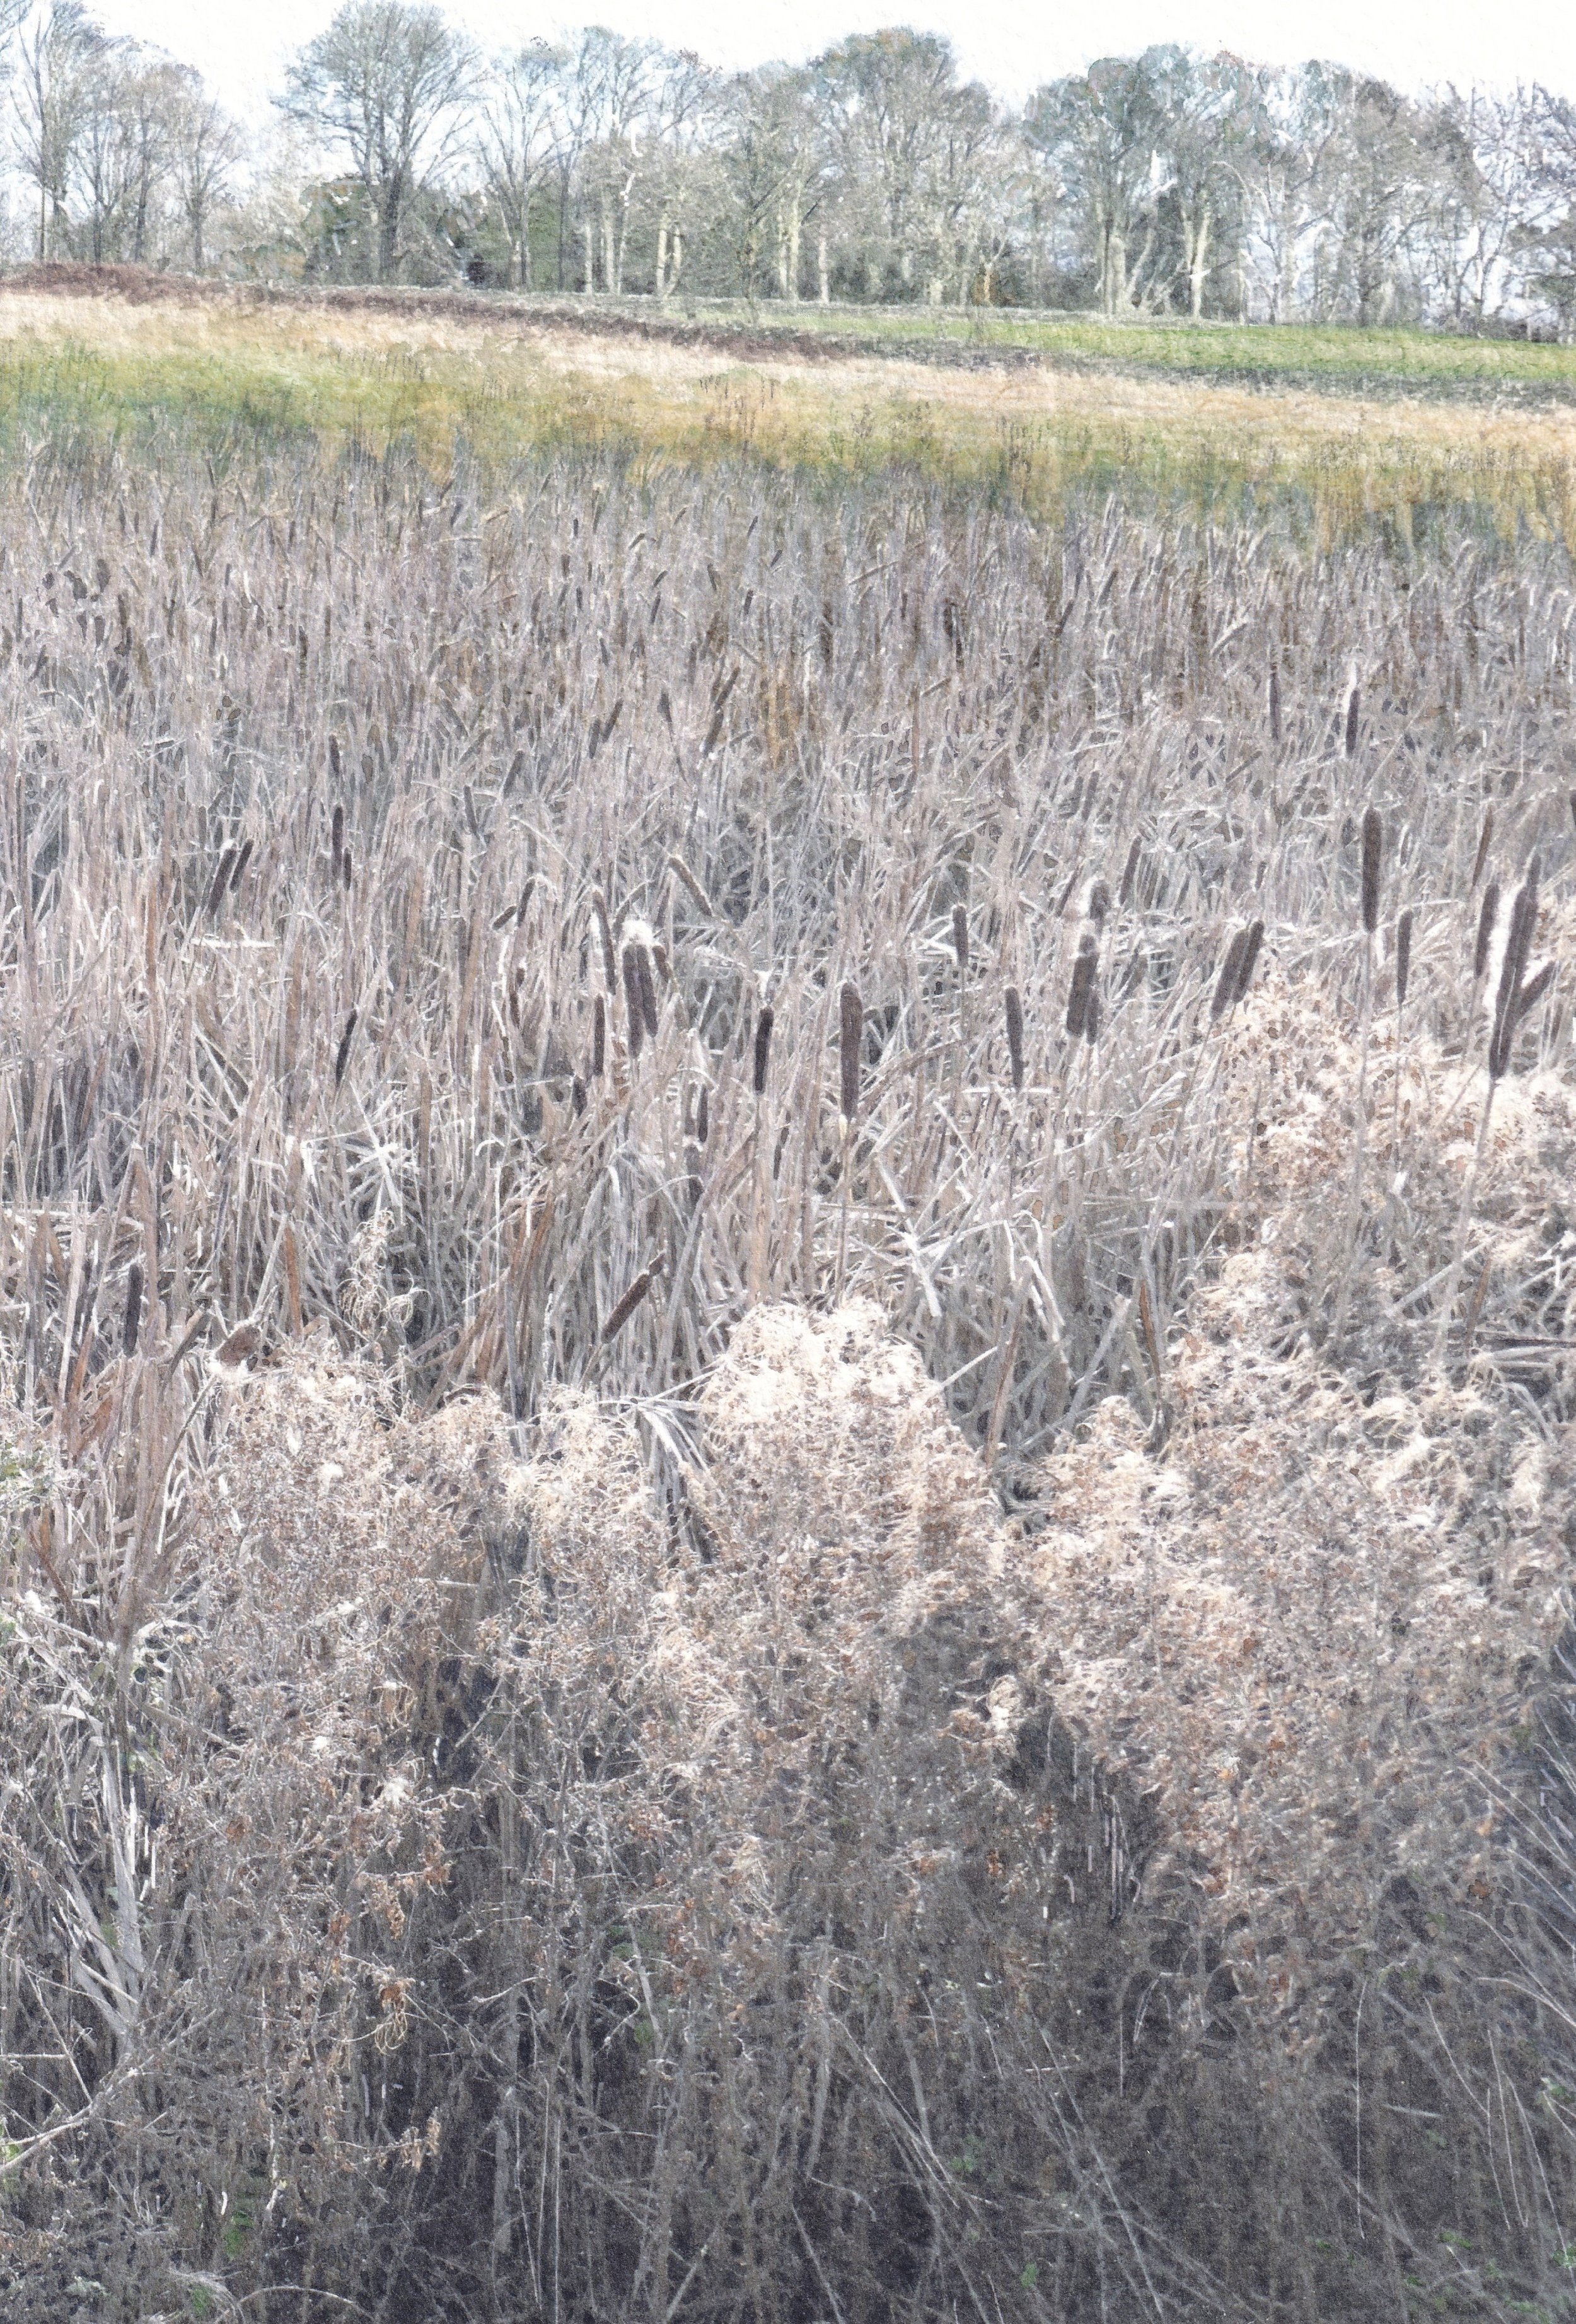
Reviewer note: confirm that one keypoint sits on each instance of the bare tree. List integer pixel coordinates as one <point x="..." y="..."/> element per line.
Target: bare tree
<point x="385" y="84"/>
<point x="207" y="147"/>
<point x="52" y="101"/>
<point x="520" y="132"/>
<point x="1104" y="130"/>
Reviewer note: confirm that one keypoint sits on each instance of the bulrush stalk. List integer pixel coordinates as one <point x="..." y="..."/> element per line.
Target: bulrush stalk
<point x="1372" y="863"/>
<point x="1402" y="978"/>
<point x="1510" y="1001"/>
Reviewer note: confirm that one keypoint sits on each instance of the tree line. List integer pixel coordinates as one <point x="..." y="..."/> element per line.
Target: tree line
<point x="1167" y="183"/>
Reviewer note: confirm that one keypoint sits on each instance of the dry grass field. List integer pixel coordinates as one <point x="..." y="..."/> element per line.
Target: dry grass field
<point x="786" y="1296"/>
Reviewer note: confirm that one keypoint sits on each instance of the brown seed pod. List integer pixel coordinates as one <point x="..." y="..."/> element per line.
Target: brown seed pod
<point x="630" y="1300"/>
<point x="1533" y="993"/>
<point x="646" y="984"/>
<point x="960" y="938"/>
<point x="1274" y="703"/>
<point x="221" y="881"/>
<point x="1373" y="846"/>
<point x="1012" y="1003"/>
<point x="1231" y="969"/>
<point x="342" y="1054"/>
<point x="1354" y="718"/>
<point x="1403" y="956"/>
<point x="133" y="1315"/>
<point x="763" y="1049"/>
<point x="1524" y="914"/>
<point x="1248" y="960"/>
<point x="598" y="1038"/>
<point x="1080" y="990"/>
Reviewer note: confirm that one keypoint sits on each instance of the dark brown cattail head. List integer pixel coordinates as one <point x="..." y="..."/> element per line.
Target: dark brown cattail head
<point x="598" y="1038"/>
<point x="960" y="938"/>
<point x="1082" y="988"/>
<point x="1092" y="1016"/>
<point x="1533" y="991"/>
<point x="1373" y="847"/>
<point x="1488" y="912"/>
<point x="1129" y="874"/>
<point x="1484" y="837"/>
<point x="1231" y="969"/>
<point x="1249" y="961"/>
<point x="630" y="1300"/>
<point x="348" y="870"/>
<point x="703" y="1115"/>
<point x="1403" y="956"/>
<point x="634" y="1003"/>
<point x="133" y="1316"/>
<point x="338" y="835"/>
<point x="342" y="1055"/>
<point x="1354" y="718"/>
<point x="850" y="1037"/>
<point x="333" y="766"/>
<point x="1099" y="903"/>
<point x="763" y="1049"/>
<point x="1013" y="1003"/>
<point x="242" y="1344"/>
<point x="242" y="861"/>
<point x="1274" y="703"/>
<point x="648" y="985"/>
<point x="221" y="881"/>
<point x="1524" y="915"/>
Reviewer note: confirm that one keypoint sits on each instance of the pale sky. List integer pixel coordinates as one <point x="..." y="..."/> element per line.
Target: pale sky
<point x="240" y="49"/>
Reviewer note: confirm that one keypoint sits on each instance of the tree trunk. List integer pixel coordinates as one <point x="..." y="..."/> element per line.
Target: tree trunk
<point x="1198" y="265"/>
<point x="823" y="270"/>
<point x="660" y="282"/>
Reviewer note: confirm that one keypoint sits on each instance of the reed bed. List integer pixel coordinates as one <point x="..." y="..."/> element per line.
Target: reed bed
<point x="496" y="380"/>
<point x="787" y="1465"/>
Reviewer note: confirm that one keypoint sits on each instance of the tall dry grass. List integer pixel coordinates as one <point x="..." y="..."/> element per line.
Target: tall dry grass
<point x="703" y="1619"/>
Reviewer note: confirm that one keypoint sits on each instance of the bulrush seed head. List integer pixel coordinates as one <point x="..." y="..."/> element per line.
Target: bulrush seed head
<point x="1373" y="844"/>
<point x="1012" y="1001"/>
<point x="850" y="1036"/>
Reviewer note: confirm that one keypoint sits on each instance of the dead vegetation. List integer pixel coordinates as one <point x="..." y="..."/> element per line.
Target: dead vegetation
<point x="787" y="1524"/>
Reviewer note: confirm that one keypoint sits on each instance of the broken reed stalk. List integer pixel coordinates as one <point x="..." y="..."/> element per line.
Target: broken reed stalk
<point x="1402" y="978"/>
<point x="634" y="1003"/>
<point x="1512" y="998"/>
<point x="1373" y="841"/>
